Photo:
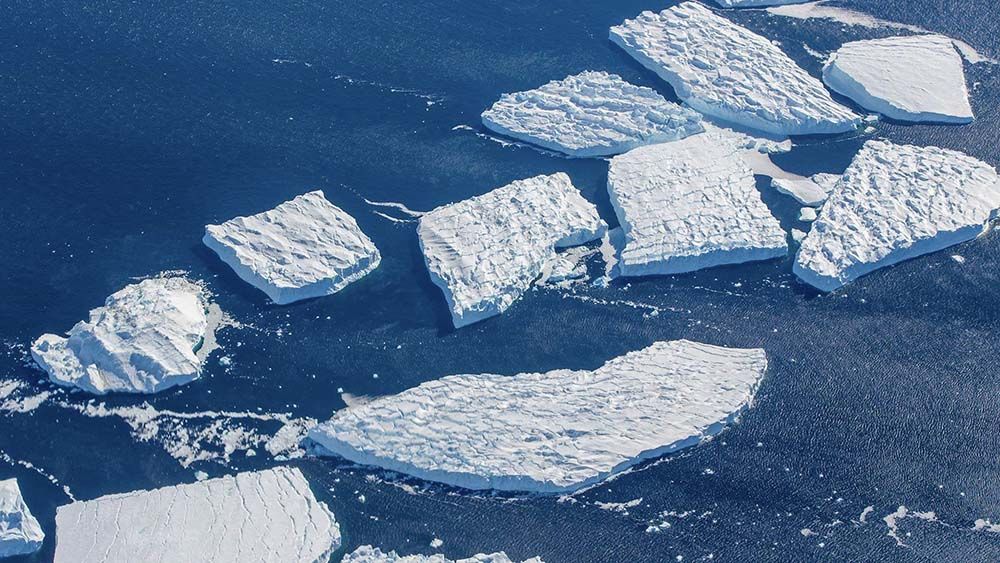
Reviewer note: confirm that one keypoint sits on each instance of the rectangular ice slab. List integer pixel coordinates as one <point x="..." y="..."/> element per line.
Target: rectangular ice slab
<point x="690" y="204"/>
<point x="893" y="203"/>
<point x="484" y="252"/>
<point x="591" y="114"/>
<point x="551" y="432"/>
<point x="267" y="516"/>
<point x="726" y="71"/>
<point x="369" y="554"/>
<point x="306" y="247"/>
<point x="20" y="532"/>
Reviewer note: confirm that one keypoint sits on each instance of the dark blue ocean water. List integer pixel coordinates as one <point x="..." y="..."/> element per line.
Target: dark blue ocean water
<point x="125" y="127"/>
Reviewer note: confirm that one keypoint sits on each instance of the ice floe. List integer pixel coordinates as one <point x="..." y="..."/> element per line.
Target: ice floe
<point x="805" y="191"/>
<point x="754" y="3"/>
<point x="20" y="532"/>
<point x="369" y="554"/>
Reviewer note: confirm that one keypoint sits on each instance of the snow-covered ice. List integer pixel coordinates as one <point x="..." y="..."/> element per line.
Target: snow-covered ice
<point x="369" y="554"/>
<point x="20" y="532"/>
<point x="726" y="71"/>
<point x="484" y="252"/>
<point x="303" y="248"/>
<point x="807" y="214"/>
<point x="805" y="191"/>
<point x="826" y="181"/>
<point x="147" y="337"/>
<point x="690" y="204"/>
<point x="551" y="432"/>
<point x="893" y="203"/>
<point x="754" y="3"/>
<point x="911" y="78"/>
<point x="591" y="114"/>
<point x="263" y="516"/>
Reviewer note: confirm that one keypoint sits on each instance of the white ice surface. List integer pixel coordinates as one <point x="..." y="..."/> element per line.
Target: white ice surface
<point x="805" y="191"/>
<point x="484" y="252"/>
<point x="20" y="532"/>
<point x="303" y="248"/>
<point x="893" y="203"/>
<point x="726" y="71"/>
<point x="369" y="554"/>
<point x="551" y="432"/>
<point x="591" y="114"/>
<point x="754" y="3"/>
<point x="266" y="516"/>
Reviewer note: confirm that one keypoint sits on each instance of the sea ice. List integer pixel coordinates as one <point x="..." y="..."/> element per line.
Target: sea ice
<point x="303" y="248"/>
<point x="484" y="252"/>
<point x="20" y="532"/>
<point x="754" y="3"/>
<point x="147" y="337"/>
<point x="729" y="72"/>
<point x="263" y="516"/>
<point x="551" y="432"/>
<point x="369" y="554"/>
<point x="912" y="78"/>
<point x="805" y="191"/>
<point x="807" y="214"/>
<point x="591" y="114"/>
<point x="893" y="203"/>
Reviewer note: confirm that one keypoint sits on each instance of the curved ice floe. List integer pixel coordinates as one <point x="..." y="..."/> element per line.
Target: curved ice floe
<point x="369" y="554"/>
<point x="20" y="533"/>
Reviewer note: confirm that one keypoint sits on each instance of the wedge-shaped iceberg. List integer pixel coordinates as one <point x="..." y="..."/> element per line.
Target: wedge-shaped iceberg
<point x="690" y="204"/>
<point x="484" y="252"/>
<point x="267" y="516"/>
<point x="551" y="432"/>
<point x="914" y="78"/>
<point x="147" y="337"/>
<point x="306" y="247"/>
<point x="893" y="203"/>
<point x="20" y="533"/>
<point x="591" y="114"/>
<point x="726" y="71"/>
<point x="369" y="554"/>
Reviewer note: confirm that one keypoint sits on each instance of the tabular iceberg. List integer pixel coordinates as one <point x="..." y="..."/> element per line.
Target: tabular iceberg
<point x="303" y="248"/>
<point x="264" y="516"/>
<point x="551" y="432"/>
<point x="20" y="533"/>
<point x="893" y="203"/>
<point x="369" y="554"/>
<point x="805" y="191"/>
<point x="690" y="204"/>
<point x="147" y="337"/>
<point x="729" y="72"/>
<point x="484" y="252"/>
<point x="591" y="114"/>
<point x="915" y="78"/>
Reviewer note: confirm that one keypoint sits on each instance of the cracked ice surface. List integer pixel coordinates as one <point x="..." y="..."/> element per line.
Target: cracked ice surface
<point x="369" y="554"/>
<point x="20" y="532"/>
<point x="263" y="516"/>
<point x="591" y="114"/>
<point x="726" y="71"/>
<point x="551" y="432"/>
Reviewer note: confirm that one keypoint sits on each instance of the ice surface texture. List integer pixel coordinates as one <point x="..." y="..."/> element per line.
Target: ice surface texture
<point x="729" y="72"/>
<point x="591" y="114"/>
<point x="551" y="432"/>
<point x="484" y="252"/>
<point x="755" y="3"/>
<point x="306" y="247"/>
<point x="893" y="203"/>
<point x="369" y="554"/>
<point x="267" y="516"/>
<point x="20" y="532"/>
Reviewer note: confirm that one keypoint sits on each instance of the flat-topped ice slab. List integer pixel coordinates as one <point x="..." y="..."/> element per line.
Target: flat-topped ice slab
<point x="913" y="78"/>
<point x="893" y="203"/>
<point x="755" y="3"/>
<point x="147" y="337"/>
<point x="369" y="554"/>
<point x="690" y="204"/>
<point x="266" y="516"/>
<point x="805" y="190"/>
<point x="484" y="252"/>
<point x="726" y="71"/>
<point x="303" y="248"/>
<point x="551" y="432"/>
<point x="591" y="114"/>
<point x="20" y="533"/>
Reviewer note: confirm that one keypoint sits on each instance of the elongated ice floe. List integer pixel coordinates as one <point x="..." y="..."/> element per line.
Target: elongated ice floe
<point x="551" y="432"/>
<point x="147" y="337"/>
<point x="755" y="3"/>
<point x="805" y="190"/>
<point x="20" y="533"/>
<point x="266" y="516"/>
<point x="913" y="78"/>
<point x="688" y="205"/>
<point x="591" y="114"/>
<point x="893" y="203"/>
<point x="369" y="554"/>
<point x="729" y="72"/>
<point x="484" y="252"/>
<point x="303" y="248"/>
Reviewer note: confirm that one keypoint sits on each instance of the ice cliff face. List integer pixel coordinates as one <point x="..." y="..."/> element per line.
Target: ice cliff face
<point x="146" y="338"/>
<point x="551" y="432"/>
<point x="726" y="71"/>
<point x="591" y="114"/>
<point x="893" y="203"/>
<point x="267" y="516"/>
<point x="20" y="533"/>
<point x="484" y="252"/>
<point x="916" y="78"/>
<point x="306" y="247"/>
<point x="369" y="554"/>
